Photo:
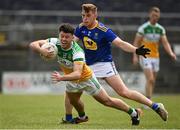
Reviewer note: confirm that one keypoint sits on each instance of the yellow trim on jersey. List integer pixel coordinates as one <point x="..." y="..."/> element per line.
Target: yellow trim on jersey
<point x="79" y="62"/>
<point x="102" y="28"/>
<point x="80" y="25"/>
<point x="153" y="46"/>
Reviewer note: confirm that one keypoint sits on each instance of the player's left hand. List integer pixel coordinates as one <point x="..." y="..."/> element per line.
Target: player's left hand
<point x="143" y="51"/>
<point x="56" y="77"/>
<point x="174" y="57"/>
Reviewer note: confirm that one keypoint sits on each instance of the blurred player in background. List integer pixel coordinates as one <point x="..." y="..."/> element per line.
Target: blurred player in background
<point x="79" y="76"/>
<point x="97" y="41"/>
<point x="151" y="34"/>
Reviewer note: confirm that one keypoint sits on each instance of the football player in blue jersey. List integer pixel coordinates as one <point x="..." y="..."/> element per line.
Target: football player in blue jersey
<point x="97" y="40"/>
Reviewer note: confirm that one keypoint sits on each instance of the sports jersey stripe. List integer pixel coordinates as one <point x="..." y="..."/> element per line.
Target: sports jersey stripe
<point x="95" y="82"/>
<point x="102" y="28"/>
<point x="114" y="69"/>
<point x="79" y="59"/>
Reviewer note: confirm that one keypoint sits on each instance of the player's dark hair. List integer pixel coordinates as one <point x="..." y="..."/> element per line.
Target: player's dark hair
<point x="66" y="28"/>
<point x="89" y="7"/>
<point x="155" y="9"/>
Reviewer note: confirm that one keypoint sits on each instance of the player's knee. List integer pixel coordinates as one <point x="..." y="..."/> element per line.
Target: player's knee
<point x="151" y="80"/>
<point x="125" y="93"/>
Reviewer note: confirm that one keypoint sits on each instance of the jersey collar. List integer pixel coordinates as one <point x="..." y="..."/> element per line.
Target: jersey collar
<point x="152" y="24"/>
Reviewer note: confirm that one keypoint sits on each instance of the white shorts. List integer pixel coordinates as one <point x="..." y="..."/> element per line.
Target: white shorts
<point x="149" y="63"/>
<point x="91" y="86"/>
<point x="104" y="69"/>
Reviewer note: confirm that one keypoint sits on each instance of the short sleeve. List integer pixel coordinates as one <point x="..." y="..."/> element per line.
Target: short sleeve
<point x="163" y="31"/>
<point x="79" y="56"/>
<point x="53" y="40"/>
<point x="110" y="35"/>
<point x="140" y="30"/>
<point x="77" y="32"/>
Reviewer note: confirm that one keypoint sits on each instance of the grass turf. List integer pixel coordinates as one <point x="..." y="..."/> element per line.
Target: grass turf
<point x="45" y="111"/>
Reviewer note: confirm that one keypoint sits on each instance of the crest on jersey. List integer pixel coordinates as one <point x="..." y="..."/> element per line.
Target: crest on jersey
<point x="89" y="43"/>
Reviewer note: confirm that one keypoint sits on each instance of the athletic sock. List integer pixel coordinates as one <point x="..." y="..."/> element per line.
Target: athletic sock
<point x="81" y="115"/>
<point x="68" y="117"/>
<point x="155" y="106"/>
<point x="132" y="112"/>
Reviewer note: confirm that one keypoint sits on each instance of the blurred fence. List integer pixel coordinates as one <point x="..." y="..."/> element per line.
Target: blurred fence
<point x="19" y="28"/>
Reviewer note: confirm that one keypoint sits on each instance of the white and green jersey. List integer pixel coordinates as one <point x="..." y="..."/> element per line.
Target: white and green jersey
<point x="66" y="58"/>
<point x="151" y="37"/>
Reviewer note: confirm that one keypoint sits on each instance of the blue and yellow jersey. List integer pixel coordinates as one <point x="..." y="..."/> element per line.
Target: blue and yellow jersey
<point x="151" y="37"/>
<point x="66" y="59"/>
<point x="96" y="42"/>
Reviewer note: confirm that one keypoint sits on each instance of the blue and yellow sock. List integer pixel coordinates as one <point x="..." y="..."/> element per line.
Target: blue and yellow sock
<point x="69" y="117"/>
<point x="155" y="106"/>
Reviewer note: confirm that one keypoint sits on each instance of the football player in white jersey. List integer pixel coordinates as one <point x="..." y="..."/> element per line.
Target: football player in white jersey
<point x="79" y="77"/>
<point x="151" y="34"/>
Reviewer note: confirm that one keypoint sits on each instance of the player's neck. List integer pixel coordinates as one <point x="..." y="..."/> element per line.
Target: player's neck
<point x="152" y="22"/>
<point x="93" y="25"/>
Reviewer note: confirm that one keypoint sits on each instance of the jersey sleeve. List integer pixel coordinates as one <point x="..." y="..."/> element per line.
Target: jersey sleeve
<point x="77" y="32"/>
<point x="53" y="40"/>
<point x="140" y="30"/>
<point x="110" y="35"/>
<point x="79" y="56"/>
<point x="163" y="31"/>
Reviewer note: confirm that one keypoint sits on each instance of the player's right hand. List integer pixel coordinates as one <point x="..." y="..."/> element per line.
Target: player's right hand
<point x="143" y="51"/>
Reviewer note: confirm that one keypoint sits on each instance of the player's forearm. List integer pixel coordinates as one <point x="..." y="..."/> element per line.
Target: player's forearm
<point x="124" y="45"/>
<point x="127" y="47"/>
<point x="35" y="46"/>
<point x="72" y="76"/>
<point x="168" y="49"/>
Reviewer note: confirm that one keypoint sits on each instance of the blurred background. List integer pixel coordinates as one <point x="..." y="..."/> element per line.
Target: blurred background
<point x="23" y="21"/>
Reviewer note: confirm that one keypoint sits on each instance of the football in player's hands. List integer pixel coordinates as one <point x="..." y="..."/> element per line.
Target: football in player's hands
<point x="52" y="50"/>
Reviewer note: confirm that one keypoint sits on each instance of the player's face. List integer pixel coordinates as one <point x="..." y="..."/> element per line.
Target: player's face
<point x="89" y="18"/>
<point x="66" y="39"/>
<point x="154" y="17"/>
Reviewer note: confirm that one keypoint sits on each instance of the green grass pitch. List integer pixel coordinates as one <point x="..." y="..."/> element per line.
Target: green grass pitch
<point x="45" y="111"/>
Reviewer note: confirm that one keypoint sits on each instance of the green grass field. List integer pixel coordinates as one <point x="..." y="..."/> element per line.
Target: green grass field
<point x="45" y="111"/>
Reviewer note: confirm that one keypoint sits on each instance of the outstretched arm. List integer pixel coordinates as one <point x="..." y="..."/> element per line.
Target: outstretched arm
<point x="167" y="47"/>
<point x="75" y="75"/>
<point x="130" y="48"/>
<point x="136" y="43"/>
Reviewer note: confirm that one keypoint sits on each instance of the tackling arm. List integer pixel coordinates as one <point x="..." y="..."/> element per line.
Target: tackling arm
<point x="130" y="48"/>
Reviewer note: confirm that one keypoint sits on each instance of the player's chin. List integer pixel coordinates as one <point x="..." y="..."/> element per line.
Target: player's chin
<point x="63" y="44"/>
<point x="86" y="23"/>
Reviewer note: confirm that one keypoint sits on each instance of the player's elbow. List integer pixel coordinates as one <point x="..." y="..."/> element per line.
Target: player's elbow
<point x="31" y="45"/>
